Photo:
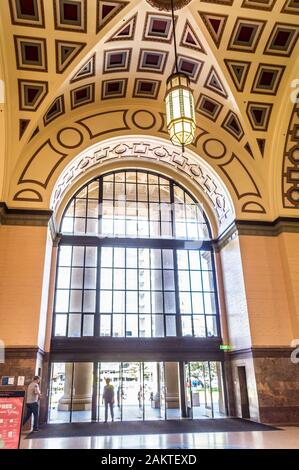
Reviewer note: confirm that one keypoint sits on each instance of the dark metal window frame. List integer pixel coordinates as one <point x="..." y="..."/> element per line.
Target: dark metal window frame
<point x="155" y="243"/>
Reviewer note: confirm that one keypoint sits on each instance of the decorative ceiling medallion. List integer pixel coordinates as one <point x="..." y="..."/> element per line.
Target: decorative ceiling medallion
<point x="27" y="13"/>
<point x="117" y="60"/>
<point x="55" y="110"/>
<point x="238" y="71"/>
<point x="66" y="53"/>
<point x="82" y="95"/>
<point x="214" y="83"/>
<point x="190" y="39"/>
<point x="23" y="124"/>
<point x="107" y="10"/>
<point x="291" y="7"/>
<point x="34" y="133"/>
<point x="158" y="27"/>
<point x="70" y="15"/>
<point x="208" y="107"/>
<point x="248" y="149"/>
<point x="246" y="34"/>
<point x="165" y="5"/>
<point x="190" y="67"/>
<point x="267" y="79"/>
<point x="114" y="88"/>
<point x="145" y="88"/>
<point x="282" y="39"/>
<point x="152" y="61"/>
<point x="259" y="4"/>
<point x="259" y="115"/>
<point x="232" y="125"/>
<point x="31" y="94"/>
<point x="86" y="71"/>
<point x="31" y="53"/>
<point x="125" y="32"/>
<point x="215" y="25"/>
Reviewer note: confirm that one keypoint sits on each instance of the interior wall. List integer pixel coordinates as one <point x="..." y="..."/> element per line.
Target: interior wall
<point x="22" y="262"/>
<point x="266" y="291"/>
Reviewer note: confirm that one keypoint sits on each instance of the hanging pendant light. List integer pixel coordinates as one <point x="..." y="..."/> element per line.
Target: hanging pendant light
<point x="180" y="110"/>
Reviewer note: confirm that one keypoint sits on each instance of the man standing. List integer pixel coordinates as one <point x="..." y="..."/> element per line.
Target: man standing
<point x="108" y="398"/>
<point x="32" y="407"/>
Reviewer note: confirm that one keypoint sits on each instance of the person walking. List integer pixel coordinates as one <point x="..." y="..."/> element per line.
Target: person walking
<point x="32" y="405"/>
<point x="108" y="399"/>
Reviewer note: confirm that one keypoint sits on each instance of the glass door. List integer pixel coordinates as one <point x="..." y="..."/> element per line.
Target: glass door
<point x="109" y="373"/>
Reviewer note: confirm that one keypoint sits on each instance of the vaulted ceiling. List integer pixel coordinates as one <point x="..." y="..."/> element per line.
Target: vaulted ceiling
<point x="80" y="71"/>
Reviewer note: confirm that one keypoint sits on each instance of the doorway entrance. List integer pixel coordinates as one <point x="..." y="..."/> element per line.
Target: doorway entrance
<point x="142" y="390"/>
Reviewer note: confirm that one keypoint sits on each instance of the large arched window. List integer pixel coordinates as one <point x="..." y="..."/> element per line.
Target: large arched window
<point x="135" y="260"/>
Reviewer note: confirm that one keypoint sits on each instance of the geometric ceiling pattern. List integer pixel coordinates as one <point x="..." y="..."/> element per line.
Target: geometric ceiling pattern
<point x="72" y="57"/>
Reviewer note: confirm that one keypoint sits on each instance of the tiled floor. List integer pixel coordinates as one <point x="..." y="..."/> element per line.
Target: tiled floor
<point x="287" y="438"/>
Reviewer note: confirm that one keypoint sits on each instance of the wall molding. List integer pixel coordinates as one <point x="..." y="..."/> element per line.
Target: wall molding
<point x="257" y="228"/>
<point x="24" y="217"/>
<point x="23" y="352"/>
<point x="260" y="352"/>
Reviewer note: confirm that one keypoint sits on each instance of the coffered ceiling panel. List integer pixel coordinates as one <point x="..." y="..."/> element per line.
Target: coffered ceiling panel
<point x="66" y="60"/>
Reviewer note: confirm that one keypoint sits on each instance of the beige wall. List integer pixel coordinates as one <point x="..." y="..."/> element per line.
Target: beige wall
<point x="22" y="259"/>
<point x="266" y="291"/>
<point x="234" y="295"/>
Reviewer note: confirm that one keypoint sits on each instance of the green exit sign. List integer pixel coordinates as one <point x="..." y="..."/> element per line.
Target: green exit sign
<point x="226" y="347"/>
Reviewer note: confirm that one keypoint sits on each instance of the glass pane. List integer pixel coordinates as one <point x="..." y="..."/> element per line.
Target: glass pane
<point x="144" y="302"/>
<point x="65" y="255"/>
<point x="78" y="256"/>
<point x="79" y="225"/>
<point x="186" y="325"/>
<point x="132" y="325"/>
<point x="157" y="302"/>
<point x="119" y="325"/>
<point x="105" y="329"/>
<point x="131" y="302"/>
<point x="170" y="325"/>
<point x="206" y="260"/>
<point x="144" y="279"/>
<point x="62" y="301"/>
<point x="119" y="257"/>
<point x="167" y="259"/>
<point x="144" y="258"/>
<point x="208" y="280"/>
<point x="158" y="326"/>
<point x="156" y="259"/>
<point x="194" y="259"/>
<point x="210" y="306"/>
<point x="197" y="302"/>
<point x="90" y="278"/>
<point x="91" y="256"/>
<point x="88" y="325"/>
<point x="106" y="278"/>
<point x="106" y="302"/>
<point x="182" y="256"/>
<point x="195" y="281"/>
<point x="89" y="301"/>
<point x="169" y="300"/>
<point x="119" y="279"/>
<point x="77" y="278"/>
<point x="92" y="226"/>
<point x="119" y="301"/>
<point x="60" y="325"/>
<point x="185" y="302"/>
<point x="74" y="326"/>
<point x="131" y="257"/>
<point x="145" y="326"/>
<point x="184" y="281"/>
<point x="211" y="326"/>
<point x="168" y="278"/>
<point x="106" y="257"/>
<point x="76" y="301"/>
<point x="199" y="325"/>
<point x="156" y="279"/>
<point x="63" y="279"/>
<point x="131" y="279"/>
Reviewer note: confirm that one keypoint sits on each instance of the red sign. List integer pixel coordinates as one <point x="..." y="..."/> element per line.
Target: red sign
<point x="11" y="411"/>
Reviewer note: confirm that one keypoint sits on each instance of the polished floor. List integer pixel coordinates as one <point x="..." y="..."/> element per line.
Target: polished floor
<point x="286" y="438"/>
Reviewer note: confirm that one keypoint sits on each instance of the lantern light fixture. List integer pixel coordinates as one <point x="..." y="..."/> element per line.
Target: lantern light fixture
<point x="180" y="110"/>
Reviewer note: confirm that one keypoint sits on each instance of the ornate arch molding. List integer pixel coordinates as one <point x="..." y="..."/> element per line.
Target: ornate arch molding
<point x="290" y="169"/>
<point x="136" y="151"/>
<point x="38" y="170"/>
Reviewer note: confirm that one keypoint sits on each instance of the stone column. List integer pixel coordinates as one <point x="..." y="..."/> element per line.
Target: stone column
<point x="172" y="395"/>
<point x="82" y="387"/>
